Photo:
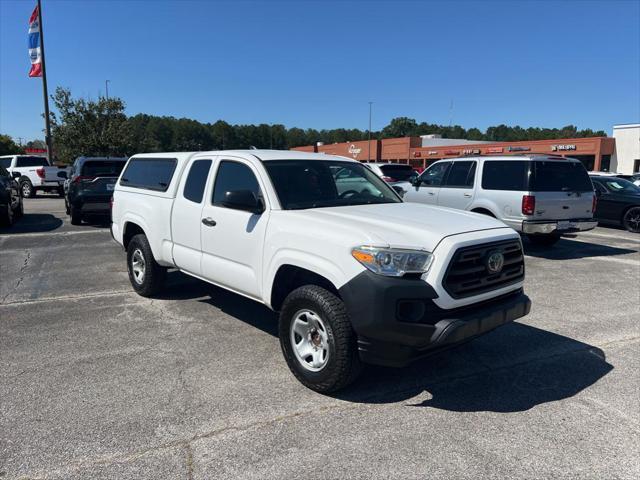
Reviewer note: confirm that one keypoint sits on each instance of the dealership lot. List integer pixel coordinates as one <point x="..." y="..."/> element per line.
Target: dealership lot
<point x="97" y="382"/>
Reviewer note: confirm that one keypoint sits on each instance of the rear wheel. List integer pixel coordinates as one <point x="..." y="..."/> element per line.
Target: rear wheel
<point x="27" y="189"/>
<point x="145" y="274"/>
<point x="20" y="210"/>
<point x="631" y="220"/>
<point x="76" y="215"/>
<point x="60" y="192"/>
<point x="544" y="240"/>
<point x="317" y="340"/>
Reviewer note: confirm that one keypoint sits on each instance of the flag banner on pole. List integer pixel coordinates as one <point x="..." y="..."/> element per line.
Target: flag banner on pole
<point x="34" y="44"/>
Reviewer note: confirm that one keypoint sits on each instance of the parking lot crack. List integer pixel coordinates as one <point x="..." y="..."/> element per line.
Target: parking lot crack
<point x="21" y="274"/>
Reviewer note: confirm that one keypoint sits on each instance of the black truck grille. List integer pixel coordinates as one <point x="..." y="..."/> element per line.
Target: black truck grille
<point x="468" y="274"/>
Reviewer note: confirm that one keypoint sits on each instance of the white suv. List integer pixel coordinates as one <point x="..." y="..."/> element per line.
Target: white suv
<point x="541" y="196"/>
<point x="356" y="274"/>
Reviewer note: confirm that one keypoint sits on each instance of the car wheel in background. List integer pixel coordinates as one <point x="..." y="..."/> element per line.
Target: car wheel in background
<point x="631" y="220"/>
<point x="61" y="192"/>
<point x="66" y="207"/>
<point x="145" y="275"/>
<point x="76" y="215"/>
<point x="27" y="190"/>
<point x="20" y="210"/>
<point x="544" y="240"/>
<point x="317" y="339"/>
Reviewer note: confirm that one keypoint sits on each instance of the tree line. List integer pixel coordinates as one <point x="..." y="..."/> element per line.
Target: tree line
<point x="101" y="127"/>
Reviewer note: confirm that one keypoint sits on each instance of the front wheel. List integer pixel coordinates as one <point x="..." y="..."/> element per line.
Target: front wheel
<point x="544" y="240"/>
<point x="317" y="340"/>
<point x="631" y="220"/>
<point x="145" y="274"/>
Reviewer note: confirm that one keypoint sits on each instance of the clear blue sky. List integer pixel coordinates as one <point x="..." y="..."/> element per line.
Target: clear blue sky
<point x="317" y="64"/>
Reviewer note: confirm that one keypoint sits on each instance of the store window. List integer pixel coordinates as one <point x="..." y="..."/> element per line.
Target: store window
<point x="636" y="166"/>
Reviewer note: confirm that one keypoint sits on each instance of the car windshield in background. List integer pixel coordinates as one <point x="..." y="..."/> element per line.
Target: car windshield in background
<point x="326" y="183"/>
<point x="559" y="176"/>
<point x="620" y="185"/>
<point x="102" y="168"/>
<point x="400" y="173"/>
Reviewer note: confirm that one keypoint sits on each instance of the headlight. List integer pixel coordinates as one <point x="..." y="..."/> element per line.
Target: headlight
<point x="393" y="262"/>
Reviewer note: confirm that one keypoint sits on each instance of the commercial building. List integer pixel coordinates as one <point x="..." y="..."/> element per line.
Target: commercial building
<point x="626" y="158"/>
<point x="595" y="152"/>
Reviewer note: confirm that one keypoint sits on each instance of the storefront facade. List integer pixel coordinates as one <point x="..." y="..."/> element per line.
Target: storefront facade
<point x="594" y="152"/>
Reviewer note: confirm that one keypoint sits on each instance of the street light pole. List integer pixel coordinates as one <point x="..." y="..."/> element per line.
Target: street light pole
<point x="369" y="140"/>
<point x="106" y="87"/>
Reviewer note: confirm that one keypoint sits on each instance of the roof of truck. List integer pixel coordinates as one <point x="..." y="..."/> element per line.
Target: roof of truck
<point x="263" y="155"/>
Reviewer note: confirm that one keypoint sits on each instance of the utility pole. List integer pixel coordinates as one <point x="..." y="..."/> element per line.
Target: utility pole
<point x="47" y="120"/>
<point x="106" y="87"/>
<point x="369" y="140"/>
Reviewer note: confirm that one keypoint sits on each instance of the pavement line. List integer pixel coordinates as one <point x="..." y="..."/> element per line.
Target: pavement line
<point x="68" y="297"/>
<point x="603" y="235"/>
<point x="634" y="263"/>
<point x="49" y="234"/>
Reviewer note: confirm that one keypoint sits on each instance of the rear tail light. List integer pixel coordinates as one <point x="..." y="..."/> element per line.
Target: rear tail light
<point x="528" y="204"/>
<point x="594" y="203"/>
<point x="81" y="178"/>
<point x="40" y="172"/>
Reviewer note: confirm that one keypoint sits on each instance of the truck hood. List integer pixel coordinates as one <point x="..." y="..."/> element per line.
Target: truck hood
<point x="403" y="225"/>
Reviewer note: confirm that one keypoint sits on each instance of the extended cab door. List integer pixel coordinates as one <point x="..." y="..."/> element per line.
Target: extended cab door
<point x="187" y="214"/>
<point x="233" y="238"/>
<point x="457" y="189"/>
<point x="427" y="186"/>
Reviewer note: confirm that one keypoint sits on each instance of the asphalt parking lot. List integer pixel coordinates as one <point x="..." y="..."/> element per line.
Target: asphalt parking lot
<point x="97" y="382"/>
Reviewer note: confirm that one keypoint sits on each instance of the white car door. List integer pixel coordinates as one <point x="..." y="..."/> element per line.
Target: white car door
<point x="233" y="238"/>
<point x="457" y="190"/>
<point x="187" y="215"/>
<point x="427" y="187"/>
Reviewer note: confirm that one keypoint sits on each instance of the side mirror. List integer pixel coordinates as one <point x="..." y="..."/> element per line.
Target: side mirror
<point x="16" y="175"/>
<point x="415" y="181"/>
<point x="62" y="174"/>
<point x="243" y="200"/>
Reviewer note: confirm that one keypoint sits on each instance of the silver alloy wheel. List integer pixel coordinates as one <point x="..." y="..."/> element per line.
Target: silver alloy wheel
<point x="26" y="189"/>
<point x="632" y="220"/>
<point x="309" y="340"/>
<point x="138" y="266"/>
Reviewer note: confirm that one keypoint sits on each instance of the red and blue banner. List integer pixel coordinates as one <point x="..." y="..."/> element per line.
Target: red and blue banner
<point x="35" y="53"/>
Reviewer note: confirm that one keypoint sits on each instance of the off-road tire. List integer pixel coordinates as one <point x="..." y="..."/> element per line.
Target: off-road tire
<point x="76" y="215"/>
<point x="343" y="365"/>
<point x="154" y="274"/>
<point x="544" y="240"/>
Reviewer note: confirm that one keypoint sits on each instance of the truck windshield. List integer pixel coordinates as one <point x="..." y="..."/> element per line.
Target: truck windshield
<point x="326" y="183"/>
<point x="560" y="176"/>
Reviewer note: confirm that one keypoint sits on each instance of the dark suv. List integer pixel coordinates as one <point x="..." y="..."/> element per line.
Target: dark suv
<point x="90" y="186"/>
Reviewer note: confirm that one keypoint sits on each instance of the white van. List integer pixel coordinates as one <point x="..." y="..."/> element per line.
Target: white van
<point x="540" y="196"/>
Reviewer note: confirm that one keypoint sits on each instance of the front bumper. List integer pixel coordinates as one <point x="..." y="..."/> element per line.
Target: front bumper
<point x="397" y="321"/>
<point x="560" y="226"/>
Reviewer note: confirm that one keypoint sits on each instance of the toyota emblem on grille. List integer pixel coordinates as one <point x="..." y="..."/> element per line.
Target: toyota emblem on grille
<point x="495" y="262"/>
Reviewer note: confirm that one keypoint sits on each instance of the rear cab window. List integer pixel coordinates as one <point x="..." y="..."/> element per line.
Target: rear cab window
<point x="149" y="173"/>
<point x="31" y="162"/>
<point x="196" y="181"/>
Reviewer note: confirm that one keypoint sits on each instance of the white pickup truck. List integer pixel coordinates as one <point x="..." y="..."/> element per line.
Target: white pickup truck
<point x="34" y="173"/>
<point x="357" y="275"/>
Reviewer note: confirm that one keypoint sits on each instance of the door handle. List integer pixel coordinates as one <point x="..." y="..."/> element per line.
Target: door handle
<point x="468" y="195"/>
<point x="209" y="222"/>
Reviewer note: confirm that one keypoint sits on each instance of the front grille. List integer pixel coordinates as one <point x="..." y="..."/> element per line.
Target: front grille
<point x="467" y="274"/>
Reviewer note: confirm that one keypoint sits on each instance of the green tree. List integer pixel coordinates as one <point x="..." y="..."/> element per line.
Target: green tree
<point x="88" y="127"/>
<point x="8" y="146"/>
<point x="400" y="127"/>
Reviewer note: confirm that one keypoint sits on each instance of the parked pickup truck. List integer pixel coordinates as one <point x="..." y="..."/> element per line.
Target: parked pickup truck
<point x="357" y="275"/>
<point x="35" y="174"/>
